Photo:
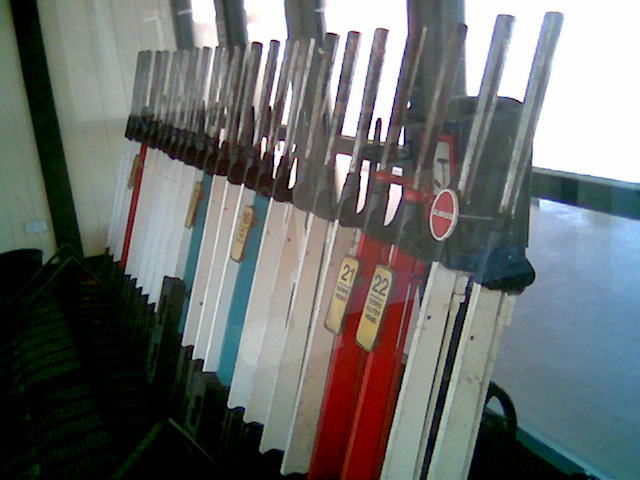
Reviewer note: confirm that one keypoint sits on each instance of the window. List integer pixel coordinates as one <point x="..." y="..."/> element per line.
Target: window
<point x="365" y="16"/>
<point x="265" y="21"/>
<point x="204" y="23"/>
<point x="589" y="119"/>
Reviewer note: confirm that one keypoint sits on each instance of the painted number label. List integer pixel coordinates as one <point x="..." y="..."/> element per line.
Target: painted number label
<point x="374" y="307"/>
<point x="245" y="222"/>
<point x="342" y="294"/>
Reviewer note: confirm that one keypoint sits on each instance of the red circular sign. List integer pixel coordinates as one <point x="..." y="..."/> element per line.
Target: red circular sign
<point x="443" y="216"/>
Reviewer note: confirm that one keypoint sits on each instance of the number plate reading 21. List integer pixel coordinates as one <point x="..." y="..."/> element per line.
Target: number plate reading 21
<point x="342" y="294"/>
<point x="374" y="307"/>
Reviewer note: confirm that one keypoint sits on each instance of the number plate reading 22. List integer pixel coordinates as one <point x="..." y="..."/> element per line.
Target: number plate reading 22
<point x="342" y="294"/>
<point x="374" y="307"/>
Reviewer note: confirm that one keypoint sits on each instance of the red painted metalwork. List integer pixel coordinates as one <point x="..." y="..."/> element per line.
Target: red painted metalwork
<point x="345" y="371"/>
<point x="137" y="182"/>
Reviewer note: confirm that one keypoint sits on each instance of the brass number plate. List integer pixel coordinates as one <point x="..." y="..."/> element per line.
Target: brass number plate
<point x="342" y="294"/>
<point x="134" y="170"/>
<point x="193" y="205"/>
<point x="374" y="307"/>
<point x="245" y="222"/>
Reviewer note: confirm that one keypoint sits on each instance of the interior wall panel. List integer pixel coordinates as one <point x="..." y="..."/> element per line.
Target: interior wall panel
<point x="91" y="50"/>
<point x="22" y="193"/>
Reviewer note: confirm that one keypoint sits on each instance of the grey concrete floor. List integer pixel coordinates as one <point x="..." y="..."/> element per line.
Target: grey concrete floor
<point x="571" y="358"/>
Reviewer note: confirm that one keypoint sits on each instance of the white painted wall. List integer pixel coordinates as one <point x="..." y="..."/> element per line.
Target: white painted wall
<point x="22" y="193"/>
<point x="571" y="358"/>
<point x="91" y="48"/>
